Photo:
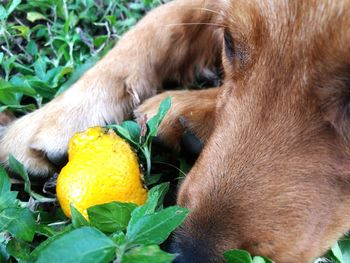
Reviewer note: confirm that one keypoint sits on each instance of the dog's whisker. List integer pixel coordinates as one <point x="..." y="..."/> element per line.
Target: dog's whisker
<point x="210" y="11"/>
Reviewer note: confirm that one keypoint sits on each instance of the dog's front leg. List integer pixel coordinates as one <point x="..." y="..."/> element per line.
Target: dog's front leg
<point x="171" y="42"/>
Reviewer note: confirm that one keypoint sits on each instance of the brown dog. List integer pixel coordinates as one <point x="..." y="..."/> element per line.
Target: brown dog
<point x="274" y="175"/>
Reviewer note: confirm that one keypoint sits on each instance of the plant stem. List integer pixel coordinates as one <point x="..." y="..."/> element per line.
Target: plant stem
<point x="147" y="153"/>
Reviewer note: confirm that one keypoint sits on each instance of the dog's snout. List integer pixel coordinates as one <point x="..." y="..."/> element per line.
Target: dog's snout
<point x="193" y="250"/>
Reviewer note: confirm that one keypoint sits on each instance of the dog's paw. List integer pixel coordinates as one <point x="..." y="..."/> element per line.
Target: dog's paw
<point x="190" y="116"/>
<point x="171" y="128"/>
<point x="17" y="139"/>
<point x="39" y="140"/>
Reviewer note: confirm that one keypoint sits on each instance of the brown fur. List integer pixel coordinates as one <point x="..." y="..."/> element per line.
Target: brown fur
<point x="274" y="175"/>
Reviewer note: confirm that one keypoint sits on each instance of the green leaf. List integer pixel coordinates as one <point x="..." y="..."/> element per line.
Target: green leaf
<point x="19" y="108"/>
<point x="40" y="68"/>
<point x="13" y="6"/>
<point x="155" y="198"/>
<point x="154" y="122"/>
<point x="18" y="168"/>
<point x="23" y="69"/>
<point x="78" y="220"/>
<point x="19" y="222"/>
<point x="344" y="245"/>
<point x="68" y="24"/>
<point x="32" y="48"/>
<point x="4" y="255"/>
<point x="99" y="40"/>
<point x="123" y="132"/>
<point x="134" y="130"/>
<point x="18" y="84"/>
<point x="147" y="254"/>
<point x="129" y="130"/>
<point x="46" y="230"/>
<point x="155" y="228"/>
<point x="34" y="16"/>
<point x="42" y="88"/>
<point x="5" y="184"/>
<point x="56" y="74"/>
<point x="82" y="245"/>
<point x="3" y="13"/>
<point x="119" y="238"/>
<point x="8" y="199"/>
<point x="43" y="246"/>
<point x="238" y="256"/>
<point x="258" y="259"/>
<point x="23" y="30"/>
<point x="337" y="253"/>
<point x="136" y="6"/>
<point x="18" y="249"/>
<point x="111" y="217"/>
<point x="8" y="98"/>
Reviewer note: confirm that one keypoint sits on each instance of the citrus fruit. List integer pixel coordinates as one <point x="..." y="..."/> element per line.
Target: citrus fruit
<point x="101" y="168"/>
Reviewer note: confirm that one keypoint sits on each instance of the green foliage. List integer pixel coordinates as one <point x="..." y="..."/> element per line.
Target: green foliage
<point x="78" y="220"/>
<point x="111" y="217"/>
<point x="85" y="244"/>
<point x="241" y="256"/>
<point x="141" y="136"/>
<point x="340" y="252"/>
<point x="116" y="230"/>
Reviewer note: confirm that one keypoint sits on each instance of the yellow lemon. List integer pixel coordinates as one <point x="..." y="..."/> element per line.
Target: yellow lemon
<point x="102" y="168"/>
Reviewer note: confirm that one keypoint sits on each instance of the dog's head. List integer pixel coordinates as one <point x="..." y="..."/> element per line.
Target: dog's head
<point x="275" y="173"/>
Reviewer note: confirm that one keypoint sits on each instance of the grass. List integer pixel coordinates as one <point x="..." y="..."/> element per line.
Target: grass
<point x="45" y="46"/>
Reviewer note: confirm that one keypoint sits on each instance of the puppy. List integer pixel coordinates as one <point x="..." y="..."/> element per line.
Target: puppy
<point x="274" y="174"/>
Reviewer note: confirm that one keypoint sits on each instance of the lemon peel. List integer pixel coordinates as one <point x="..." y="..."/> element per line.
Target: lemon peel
<point x="102" y="168"/>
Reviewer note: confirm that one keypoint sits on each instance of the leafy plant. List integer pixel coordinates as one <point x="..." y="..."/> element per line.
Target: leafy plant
<point x="242" y="256"/>
<point x="340" y="252"/>
<point x="119" y="231"/>
<point x="142" y="141"/>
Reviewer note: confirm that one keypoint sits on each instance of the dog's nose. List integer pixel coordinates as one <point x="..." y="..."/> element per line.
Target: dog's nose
<point x="190" y="250"/>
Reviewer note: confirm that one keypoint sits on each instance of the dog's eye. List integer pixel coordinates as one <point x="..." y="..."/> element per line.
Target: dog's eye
<point x="229" y="46"/>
